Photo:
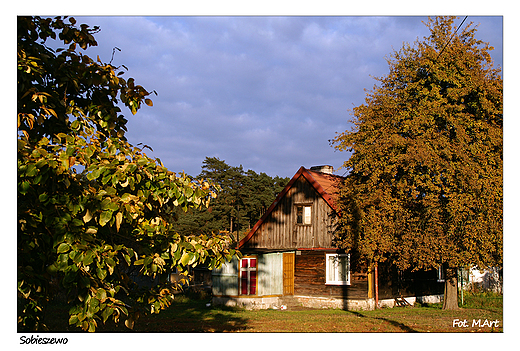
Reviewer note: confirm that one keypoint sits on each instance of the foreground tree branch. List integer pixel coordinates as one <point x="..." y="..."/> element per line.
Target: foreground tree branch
<point x="93" y="210"/>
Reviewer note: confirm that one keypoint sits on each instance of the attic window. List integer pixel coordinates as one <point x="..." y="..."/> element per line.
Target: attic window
<point x="303" y="214"/>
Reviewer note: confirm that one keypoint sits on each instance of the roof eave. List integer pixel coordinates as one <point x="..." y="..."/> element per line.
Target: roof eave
<point x="271" y="208"/>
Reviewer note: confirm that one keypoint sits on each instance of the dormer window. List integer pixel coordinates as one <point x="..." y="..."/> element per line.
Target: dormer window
<point x="303" y="215"/>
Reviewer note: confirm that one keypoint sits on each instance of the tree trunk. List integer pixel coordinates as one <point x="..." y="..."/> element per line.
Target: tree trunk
<point x="450" y="289"/>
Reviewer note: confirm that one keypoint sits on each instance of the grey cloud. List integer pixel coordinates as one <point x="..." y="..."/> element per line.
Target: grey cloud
<point x="264" y="92"/>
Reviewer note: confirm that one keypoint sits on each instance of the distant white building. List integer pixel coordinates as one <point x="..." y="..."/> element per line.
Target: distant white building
<point x="489" y="279"/>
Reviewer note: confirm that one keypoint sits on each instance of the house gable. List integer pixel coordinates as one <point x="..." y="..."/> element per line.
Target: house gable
<point x="281" y="229"/>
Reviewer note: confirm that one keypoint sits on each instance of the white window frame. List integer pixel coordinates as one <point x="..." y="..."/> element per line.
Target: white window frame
<point x="248" y="271"/>
<point x="306" y="214"/>
<point x="335" y="279"/>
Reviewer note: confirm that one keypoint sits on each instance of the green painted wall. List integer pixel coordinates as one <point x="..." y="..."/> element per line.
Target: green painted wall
<point x="269" y="278"/>
<point x="270" y="274"/>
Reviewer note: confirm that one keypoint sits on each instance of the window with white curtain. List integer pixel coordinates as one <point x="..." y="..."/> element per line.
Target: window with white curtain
<point x="337" y="269"/>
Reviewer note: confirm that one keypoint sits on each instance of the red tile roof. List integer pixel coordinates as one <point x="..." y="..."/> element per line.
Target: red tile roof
<point x="327" y="186"/>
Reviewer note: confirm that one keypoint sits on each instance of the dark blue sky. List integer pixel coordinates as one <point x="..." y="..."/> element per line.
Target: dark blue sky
<point x="266" y="93"/>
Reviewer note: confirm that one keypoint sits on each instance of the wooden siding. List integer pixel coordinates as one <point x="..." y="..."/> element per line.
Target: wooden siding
<point x="309" y="278"/>
<point x="280" y="230"/>
<point x="225" y="279"/>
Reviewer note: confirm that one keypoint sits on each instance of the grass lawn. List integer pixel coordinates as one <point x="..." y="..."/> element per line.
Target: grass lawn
<point x="188" y="316"/>
<point x="191" y="315"/>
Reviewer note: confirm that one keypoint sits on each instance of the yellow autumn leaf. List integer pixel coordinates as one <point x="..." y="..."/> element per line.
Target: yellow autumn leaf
<point x="119" y="220"/>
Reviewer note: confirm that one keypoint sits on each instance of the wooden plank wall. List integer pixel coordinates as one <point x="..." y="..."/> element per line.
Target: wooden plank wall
<point x="309" y="278"/>
<point x="280" y="230"/>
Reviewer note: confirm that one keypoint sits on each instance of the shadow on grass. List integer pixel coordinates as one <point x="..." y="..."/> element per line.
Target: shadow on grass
<point x="397" y="324"/>
<point x="183" y="316"/>
<point x="193" y="316"/>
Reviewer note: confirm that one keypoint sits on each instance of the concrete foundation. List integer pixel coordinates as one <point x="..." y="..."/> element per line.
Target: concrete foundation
<point x="250" y="303"/>
<point x="430" y="299"/>
<point x="276" y="302"/>
<point x="326" y="302"/>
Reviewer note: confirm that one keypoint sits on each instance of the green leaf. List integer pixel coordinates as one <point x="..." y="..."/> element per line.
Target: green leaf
<point x="31" y="171"/>
<point x="89" y="258"/>
<point x="107" y="312"/>
<point x="76" y="222"/>
<point x="101" y="294"/>
<point x="101" y="273"/>
<point x="37" y="179"/>
<point x="76" y="256"/>
<point x="75" y="125"/>
<point x="24" y="187"/>
<point x="52" y="269"/>
<point x="189" y="192"/>
<point x="105" y="217"/>
<point x="43" y="197"/>
<point x="94" y="174"/>
<point x="69" y="278"/>
<point x="70" y="151"/>
<point x="157" y="306"/>
<point x="73" y="319"/>
<point x="89" y="151"/>
<point x="63" y="247"/>
<point x="186" y="257"/>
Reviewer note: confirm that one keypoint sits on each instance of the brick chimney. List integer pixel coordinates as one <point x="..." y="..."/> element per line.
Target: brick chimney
<point x="323" y="169"/>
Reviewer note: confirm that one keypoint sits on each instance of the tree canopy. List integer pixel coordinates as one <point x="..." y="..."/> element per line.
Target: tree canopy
<point x="243" y="197"/>
<point x="94" y="211"/>
<point x="425" y="182"/>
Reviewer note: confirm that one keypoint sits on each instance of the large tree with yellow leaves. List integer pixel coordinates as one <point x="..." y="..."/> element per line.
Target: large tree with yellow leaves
<point x="425" y="183"/>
